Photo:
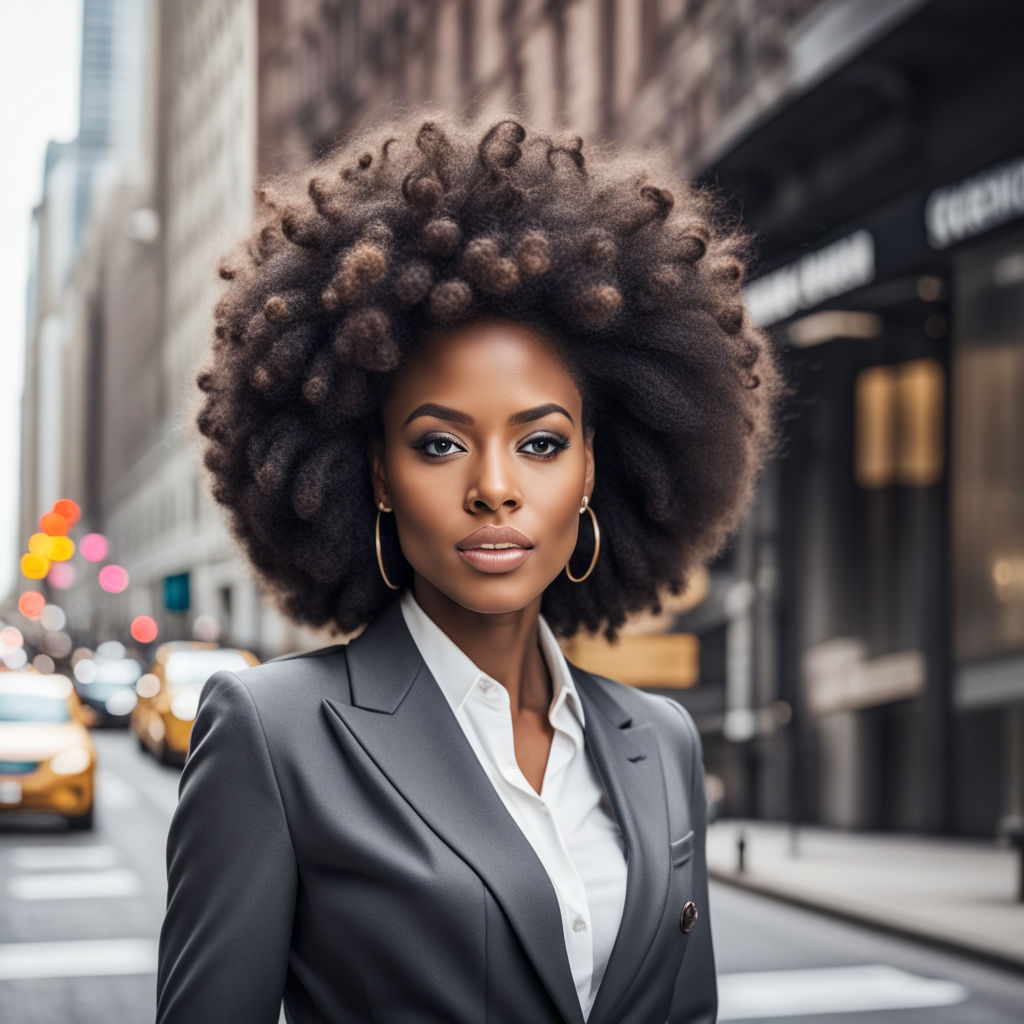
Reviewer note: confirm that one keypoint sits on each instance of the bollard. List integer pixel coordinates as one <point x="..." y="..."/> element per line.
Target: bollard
<point x="741" y="851"/>
<point x="1011" y="832"/>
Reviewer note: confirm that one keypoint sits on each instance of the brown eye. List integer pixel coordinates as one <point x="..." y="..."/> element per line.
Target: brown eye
<point x="436" y="446"/>
<point x="545" y="446"/>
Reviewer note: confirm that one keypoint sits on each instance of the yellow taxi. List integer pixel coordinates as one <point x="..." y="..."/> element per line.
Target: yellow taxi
<point x="169" y="693"/>
<point x="47" y="759"/>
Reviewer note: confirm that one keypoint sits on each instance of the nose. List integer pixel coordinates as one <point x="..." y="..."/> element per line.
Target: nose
<point x="494" y="483"/>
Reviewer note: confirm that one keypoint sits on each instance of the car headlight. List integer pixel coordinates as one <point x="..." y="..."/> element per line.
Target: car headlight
<point x="121" y="702"/>
<point x="70" y="762"/>
<point x="184" y="706"/>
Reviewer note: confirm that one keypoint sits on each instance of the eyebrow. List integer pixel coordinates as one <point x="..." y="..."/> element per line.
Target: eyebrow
<point x="443" y="412"/>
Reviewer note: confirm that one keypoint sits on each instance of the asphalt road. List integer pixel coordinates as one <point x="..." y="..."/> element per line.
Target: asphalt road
<point x="80" y="915"/>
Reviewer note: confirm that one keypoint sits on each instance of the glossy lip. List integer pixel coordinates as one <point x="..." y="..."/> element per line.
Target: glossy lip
<point x="495" y="561"/>
<point x="494" y="535"/>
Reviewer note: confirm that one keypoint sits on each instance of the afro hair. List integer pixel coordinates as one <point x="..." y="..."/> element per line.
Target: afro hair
<point x="428" y="222"/>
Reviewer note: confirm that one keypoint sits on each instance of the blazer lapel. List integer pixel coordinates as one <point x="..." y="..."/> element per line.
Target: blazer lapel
<point x="627" y="759"/>
<point x="401" y="719"/>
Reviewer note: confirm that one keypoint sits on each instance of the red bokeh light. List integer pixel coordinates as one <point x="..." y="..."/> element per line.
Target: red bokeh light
<point x="31" y="604"/>
<point x="68" y="509"/>
<point x="144" y="629"/>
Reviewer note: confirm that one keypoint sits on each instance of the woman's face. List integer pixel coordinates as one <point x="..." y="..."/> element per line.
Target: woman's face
<point x="485" y="464"/>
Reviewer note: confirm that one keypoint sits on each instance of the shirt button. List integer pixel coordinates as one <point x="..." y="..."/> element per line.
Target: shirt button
<point x="579" y="925"/>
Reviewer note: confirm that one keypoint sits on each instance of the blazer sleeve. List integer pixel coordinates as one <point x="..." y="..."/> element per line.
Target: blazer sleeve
<point x="695" y="1000"/>
<point x="231" y="872"/>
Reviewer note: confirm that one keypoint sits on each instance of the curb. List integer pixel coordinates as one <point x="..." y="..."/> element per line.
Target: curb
<point x="944" y="943"/>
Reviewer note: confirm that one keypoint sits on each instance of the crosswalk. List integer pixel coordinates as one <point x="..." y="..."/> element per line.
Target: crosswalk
<point x="35" y="873"/>
<point x="88" y="958"/>
<point x="72" y="872"/>
<point x="788" y="994"/>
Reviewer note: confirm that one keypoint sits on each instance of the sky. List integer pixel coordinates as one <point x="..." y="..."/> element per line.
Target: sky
<point x="39" y="85"/>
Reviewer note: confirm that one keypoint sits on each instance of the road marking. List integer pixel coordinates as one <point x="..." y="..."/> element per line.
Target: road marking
<point x="74" y="885"/>
<point x="113" y="793"/>
<point x="77" y="959"/>
<point x="757" y="994"/>
<point x="46" y="858"/>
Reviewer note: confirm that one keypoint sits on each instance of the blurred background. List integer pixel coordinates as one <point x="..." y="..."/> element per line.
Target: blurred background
<point x="854" y="660"/>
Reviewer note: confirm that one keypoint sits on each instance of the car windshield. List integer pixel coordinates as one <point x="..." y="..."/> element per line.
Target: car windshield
<point x="122" y="672"/>
<point x="192" y="668"/>
<point x="32" y="707"/>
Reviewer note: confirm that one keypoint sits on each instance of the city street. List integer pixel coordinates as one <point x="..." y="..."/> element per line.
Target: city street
<point x="779" y="963"/>
<point x="79" y="916"/>
<point x="80" y="913"/>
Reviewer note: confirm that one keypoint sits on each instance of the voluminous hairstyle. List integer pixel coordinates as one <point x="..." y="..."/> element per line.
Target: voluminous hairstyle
<point x="428" y="223"/>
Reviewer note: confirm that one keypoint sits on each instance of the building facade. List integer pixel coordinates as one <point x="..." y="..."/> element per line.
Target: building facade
<point x="856" y="657"/>
<point x="888" y="193"/>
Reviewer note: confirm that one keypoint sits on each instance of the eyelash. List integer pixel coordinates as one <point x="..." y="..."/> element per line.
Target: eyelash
<point x="557" y="441"/>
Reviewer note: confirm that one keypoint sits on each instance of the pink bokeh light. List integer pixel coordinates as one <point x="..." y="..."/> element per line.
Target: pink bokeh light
<point x="61" y="575"/>
<point x="93" y="547"/>
<point x="113" y="579"/>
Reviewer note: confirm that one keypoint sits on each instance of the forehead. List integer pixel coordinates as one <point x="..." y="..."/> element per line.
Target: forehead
<point x="490" y="364"/>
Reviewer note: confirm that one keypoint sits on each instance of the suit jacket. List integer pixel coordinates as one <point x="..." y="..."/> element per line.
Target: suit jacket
<point x="338" y="845"/>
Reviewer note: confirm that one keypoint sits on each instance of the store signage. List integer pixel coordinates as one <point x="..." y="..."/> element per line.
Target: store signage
<point x="954" y="213"/>
<point x="839" y="676"/>
<point x="807" y="282"/>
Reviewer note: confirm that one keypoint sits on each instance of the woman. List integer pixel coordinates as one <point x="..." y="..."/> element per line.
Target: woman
<point x="441" y="355"/>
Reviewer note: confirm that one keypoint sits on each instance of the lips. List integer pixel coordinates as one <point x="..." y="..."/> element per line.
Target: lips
<point x="490" y="538"/>
<point x="495" y="549"/>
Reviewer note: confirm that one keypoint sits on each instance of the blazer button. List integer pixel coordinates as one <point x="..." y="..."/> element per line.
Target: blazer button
<point x="688" y="918"/>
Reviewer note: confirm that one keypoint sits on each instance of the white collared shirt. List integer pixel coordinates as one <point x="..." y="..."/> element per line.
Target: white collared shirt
<point x="570" y="823"/>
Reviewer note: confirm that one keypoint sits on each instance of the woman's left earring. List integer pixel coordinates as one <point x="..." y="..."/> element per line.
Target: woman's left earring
<point x="585" y="507"/>
<point x="381" y="507"/>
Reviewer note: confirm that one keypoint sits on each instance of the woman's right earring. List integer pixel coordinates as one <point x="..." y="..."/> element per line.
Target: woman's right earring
<point x="380" y="554"/>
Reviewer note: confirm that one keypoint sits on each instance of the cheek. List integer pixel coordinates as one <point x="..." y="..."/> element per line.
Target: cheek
<point x="425" y="502"/>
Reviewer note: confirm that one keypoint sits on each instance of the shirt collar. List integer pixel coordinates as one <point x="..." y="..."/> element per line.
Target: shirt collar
<point x="456" y="673"/>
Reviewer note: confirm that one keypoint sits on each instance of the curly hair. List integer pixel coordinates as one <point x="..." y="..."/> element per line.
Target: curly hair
<point x="424" y="224"/>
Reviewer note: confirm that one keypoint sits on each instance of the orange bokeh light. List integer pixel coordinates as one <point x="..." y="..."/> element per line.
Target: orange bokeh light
<point x="35" y="567"/>
<point x="53" y="524"/>
<point x="68" y="509"/>
<point x="31" y="604"/>
<point x="61" y="549"/>
<point x="144" y="629"/>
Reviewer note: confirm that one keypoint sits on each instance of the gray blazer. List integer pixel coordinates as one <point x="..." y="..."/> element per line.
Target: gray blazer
<point x="338" y="845"/>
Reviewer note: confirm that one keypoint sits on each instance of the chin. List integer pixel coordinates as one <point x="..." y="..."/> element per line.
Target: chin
<point x="492" y="594"/>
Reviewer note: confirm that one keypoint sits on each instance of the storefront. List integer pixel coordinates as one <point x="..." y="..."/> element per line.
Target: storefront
<point x="887" y="550"/>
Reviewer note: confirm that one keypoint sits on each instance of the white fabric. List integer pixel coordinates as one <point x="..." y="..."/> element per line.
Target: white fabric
<point x="570" y="824"/>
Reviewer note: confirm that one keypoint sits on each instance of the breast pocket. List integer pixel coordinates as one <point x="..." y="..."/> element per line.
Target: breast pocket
<point x="682" y="849"/>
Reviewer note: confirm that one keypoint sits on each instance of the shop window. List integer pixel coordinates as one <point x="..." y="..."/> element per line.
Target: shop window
<point x="988" y="467"/>
<point x="900" y="424"/>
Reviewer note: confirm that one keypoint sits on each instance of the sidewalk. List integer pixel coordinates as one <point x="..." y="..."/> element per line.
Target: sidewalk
<point x="950" y="892"/>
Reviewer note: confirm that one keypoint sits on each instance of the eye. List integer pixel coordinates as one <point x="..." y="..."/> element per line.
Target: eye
<point x="437" y="446"/>
<point x="545" y="446"/>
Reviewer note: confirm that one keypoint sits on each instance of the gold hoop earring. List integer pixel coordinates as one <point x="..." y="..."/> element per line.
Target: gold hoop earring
<point x="380" y="553"/>
<point x="585" y="507"/>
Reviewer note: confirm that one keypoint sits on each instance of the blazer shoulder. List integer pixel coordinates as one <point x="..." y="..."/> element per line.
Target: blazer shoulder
<point x="668" y="716"/>
<point x="297" y="678"/>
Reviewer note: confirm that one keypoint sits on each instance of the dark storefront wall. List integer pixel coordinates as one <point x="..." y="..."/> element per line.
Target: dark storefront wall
<point x="988" y="533"/>
<point x="930" y="566"/>
<point x="864" y="589"/>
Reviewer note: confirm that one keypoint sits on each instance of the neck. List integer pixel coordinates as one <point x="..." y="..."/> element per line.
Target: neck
<point x="505" y="645"/>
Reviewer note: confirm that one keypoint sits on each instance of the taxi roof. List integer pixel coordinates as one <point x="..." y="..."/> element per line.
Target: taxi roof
<point x="34" y="682"/>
